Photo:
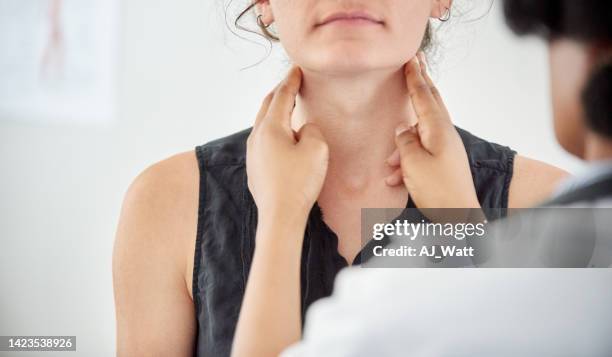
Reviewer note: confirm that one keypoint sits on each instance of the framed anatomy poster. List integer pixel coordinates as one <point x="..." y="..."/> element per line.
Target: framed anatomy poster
<point x="58" y="60"/>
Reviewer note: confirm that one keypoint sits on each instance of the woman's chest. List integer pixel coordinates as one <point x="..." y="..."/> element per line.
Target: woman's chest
<point x="343" y="215"/>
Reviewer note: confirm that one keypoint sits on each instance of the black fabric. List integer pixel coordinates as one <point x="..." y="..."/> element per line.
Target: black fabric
<point x="227" y="219"/>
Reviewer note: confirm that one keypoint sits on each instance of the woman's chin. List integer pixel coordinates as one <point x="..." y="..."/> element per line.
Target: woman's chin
<point x="348" y="56"/>
<point x="346" y="64"/>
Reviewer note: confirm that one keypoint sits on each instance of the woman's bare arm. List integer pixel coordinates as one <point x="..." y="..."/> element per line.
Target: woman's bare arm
<point x="153" y="260"/>
<point x="533" y="182"/>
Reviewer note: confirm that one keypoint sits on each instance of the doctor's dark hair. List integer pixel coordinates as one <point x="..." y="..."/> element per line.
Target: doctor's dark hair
<point x="586" y="21"/>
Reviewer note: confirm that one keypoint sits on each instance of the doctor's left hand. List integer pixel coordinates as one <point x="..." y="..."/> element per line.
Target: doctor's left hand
<point x="431" y="160"/>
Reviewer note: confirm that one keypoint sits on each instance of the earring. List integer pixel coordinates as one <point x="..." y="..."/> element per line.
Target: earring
<point x="260" y="22"/>
<point x="446" y="16"/>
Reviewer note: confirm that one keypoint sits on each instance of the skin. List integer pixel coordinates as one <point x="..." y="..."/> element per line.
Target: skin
<point x="566" y="88"/>
<point x="352" y="90"/>
<point x="270" y="315"/>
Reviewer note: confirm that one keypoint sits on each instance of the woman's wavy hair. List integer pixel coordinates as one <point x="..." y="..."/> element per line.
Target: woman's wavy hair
<point x="586" y="21"/>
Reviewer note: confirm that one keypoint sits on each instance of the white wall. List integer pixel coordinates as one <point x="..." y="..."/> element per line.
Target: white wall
<point x="180" y="85"/>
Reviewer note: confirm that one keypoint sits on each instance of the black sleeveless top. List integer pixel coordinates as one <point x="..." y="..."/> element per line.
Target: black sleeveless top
<point x="227" y="219"/>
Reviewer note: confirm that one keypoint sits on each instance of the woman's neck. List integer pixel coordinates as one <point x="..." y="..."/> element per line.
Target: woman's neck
<point x="357" y="115"/>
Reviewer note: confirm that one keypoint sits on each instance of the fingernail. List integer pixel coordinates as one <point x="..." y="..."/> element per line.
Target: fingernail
<point x="423" y="59"/>
<point x="393" y="157"/>
<point x="401" y="128"/>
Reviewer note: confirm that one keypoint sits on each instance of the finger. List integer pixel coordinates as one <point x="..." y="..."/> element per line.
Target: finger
<point x="424" y="103"/>
<point x="432" y="87"/>
<point x="310" y="134"/>
<point x="395" y="179"/>
<point x="263" y="110"/>
<point x="283" y="102"/>
<point x="408" y="143"/>
<point x="394" y="159"/>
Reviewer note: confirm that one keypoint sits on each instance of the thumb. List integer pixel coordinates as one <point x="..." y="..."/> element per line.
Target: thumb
<point x="408" y="141"/>
<point x="310" y="136"/>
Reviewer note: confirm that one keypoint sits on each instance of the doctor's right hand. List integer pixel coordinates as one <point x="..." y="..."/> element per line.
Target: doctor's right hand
<point x="286" y="169"/>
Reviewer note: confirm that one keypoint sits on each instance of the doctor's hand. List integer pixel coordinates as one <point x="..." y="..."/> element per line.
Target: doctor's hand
<point x="285" y="169"/>
<point x="431" y="160"/>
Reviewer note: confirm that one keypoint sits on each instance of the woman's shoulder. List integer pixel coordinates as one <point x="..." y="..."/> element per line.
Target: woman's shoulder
<point x="531" y="181"/>
<point x="166" y="194"/>
<point x="159" y="214"/>
<point x="485" y="153"/>
<point x="166" y="184"/>
<point x="227" y="150"/>
<point x="160" y="208"/>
